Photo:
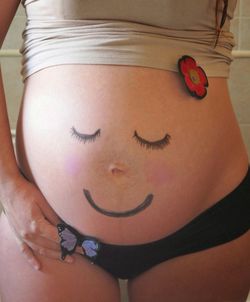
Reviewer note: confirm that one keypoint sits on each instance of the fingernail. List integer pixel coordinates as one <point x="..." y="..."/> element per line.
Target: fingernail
<point x="69" y="259"/>
<point x="35" y="264"/>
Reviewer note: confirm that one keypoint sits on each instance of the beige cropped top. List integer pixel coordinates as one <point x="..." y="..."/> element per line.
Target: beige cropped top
<point x="149" y="33"/>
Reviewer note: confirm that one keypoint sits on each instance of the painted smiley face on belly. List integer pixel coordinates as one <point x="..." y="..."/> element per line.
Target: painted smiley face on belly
<point x="156" y="174"/>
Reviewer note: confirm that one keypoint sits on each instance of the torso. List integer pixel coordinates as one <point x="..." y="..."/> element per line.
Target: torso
<point x="205" y="159"/>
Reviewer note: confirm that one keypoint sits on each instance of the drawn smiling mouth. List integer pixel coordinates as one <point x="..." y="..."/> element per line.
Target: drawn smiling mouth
<point x="146" y="203"/>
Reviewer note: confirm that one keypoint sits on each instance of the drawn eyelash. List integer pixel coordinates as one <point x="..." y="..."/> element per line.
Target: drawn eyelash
<point x="160" y="144"/>
<point x="84" y="137"/>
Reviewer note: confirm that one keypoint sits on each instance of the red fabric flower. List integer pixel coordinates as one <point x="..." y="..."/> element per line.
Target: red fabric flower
<point x="194" y="76"/>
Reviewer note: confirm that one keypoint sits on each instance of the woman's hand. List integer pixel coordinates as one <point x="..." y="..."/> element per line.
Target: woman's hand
<point x="33" y="222"/>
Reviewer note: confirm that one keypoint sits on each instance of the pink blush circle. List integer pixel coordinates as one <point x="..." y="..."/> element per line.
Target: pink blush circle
<point x="158" y="173"/>
<point x="72" y="165"/>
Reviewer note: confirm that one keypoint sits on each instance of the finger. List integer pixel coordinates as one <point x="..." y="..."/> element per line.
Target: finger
<point x="49" y="231"/>
<point x="41" y="241"/>
<point x="79" y="250"/>
<point x="49" y="253"/>
<point x="49" y="213"/>
<point x="28" y="254"/>
<point x="34" y="236"/>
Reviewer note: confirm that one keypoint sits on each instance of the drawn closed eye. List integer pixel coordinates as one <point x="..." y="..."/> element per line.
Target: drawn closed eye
<point x="159" y="144"/>
<point x="85" y="137"/>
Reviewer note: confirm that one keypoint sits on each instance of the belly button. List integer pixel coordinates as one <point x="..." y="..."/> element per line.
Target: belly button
<point x="117" y="170"/>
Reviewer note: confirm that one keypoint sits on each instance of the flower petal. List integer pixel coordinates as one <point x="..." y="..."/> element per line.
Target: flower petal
<point x="202" y="76"/>
<point x="183" y="68"/>
<point x="190" y="62"/>
<point x="190" y="84"/>
<point x="200" y="91"/>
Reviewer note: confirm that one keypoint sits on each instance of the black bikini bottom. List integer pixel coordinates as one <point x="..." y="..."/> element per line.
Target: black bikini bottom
<point x="226" y="220"/>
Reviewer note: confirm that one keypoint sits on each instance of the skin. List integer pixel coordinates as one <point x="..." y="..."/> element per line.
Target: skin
<point x="72" y="165"/>
<point x="158" y="173"/>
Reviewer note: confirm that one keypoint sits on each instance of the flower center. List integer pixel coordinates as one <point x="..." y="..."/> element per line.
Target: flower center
<point x="194" y="76"/>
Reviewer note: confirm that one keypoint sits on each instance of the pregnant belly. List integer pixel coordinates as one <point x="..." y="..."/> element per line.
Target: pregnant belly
<point x="124" y="153"/>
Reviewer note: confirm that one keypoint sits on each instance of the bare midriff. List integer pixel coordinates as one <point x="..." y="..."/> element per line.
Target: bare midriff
<point x="204" y="159"/>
